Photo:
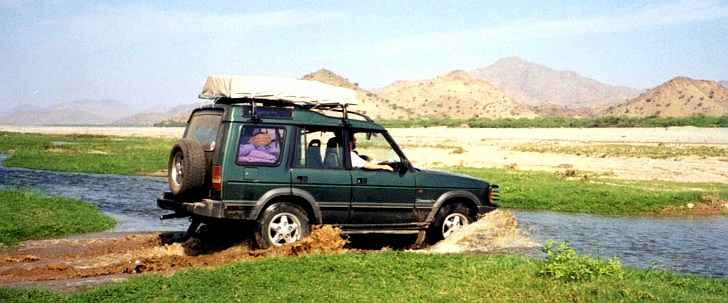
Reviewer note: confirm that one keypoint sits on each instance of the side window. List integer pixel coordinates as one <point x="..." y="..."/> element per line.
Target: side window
<point x="319" y="148"/>
<point x="373" y="147"/>
<point x="203" y="128"/>
<point x="261" y="145"/>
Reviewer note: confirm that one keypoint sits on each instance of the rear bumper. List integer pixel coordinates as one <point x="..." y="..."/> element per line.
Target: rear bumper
<point x="207" y="208"/>
<point x="167" y="202"/>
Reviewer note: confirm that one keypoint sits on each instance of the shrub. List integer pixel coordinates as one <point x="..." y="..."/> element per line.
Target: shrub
<point x="563" y="263"/>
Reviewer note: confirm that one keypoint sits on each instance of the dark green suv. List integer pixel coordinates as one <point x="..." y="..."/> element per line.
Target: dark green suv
<point x="286" y="166"/>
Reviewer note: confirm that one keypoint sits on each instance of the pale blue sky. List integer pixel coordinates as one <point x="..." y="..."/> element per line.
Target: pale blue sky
<point x="151" y="53"/>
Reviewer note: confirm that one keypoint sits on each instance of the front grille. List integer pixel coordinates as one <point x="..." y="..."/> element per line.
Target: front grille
<point x="494" y="193"/>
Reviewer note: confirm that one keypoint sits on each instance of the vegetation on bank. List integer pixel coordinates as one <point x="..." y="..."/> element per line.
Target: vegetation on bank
<point x="565" y="122"/>
<point x="30" y="215"/>
<point x="520" y="189"/>
<point x="582" y="193"/>
<point x="86" y="153"/>
<point x="654" y="151"/>
<point x="393" y="277"/>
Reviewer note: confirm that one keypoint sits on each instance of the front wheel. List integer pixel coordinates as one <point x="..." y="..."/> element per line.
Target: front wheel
<point x="280" y="224"/>
<point x="450" y="219"/>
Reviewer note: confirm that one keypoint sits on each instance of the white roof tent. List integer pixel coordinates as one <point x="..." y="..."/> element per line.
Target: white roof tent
<point x="301" y="92"/>
<point x="279" y="91"/>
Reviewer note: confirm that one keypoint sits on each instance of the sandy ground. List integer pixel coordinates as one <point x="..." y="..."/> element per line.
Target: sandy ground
<point x="80" y="262"/>
<point x="439" y="146"/>
<point x="86" y="261"/>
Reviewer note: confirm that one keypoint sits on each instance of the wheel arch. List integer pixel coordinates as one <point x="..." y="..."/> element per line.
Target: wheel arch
<point x="295" y="196"/>
<point x="456" y="196"/>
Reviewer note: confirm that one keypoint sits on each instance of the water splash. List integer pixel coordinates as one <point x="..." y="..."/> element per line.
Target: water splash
<point x="495" y="231"/>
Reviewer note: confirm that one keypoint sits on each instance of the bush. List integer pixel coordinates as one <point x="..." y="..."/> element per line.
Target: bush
<point x="563" y="263"/>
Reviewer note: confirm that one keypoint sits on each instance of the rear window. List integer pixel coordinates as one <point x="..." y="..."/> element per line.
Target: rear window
<point x="203" y="128"/>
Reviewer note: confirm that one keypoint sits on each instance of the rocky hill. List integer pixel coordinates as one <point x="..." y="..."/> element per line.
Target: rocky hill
<point x="370" y="103"/>
<point x="679" y="97"/>
<point x="723" y="83"/>
<point x="454" y="95"/>
<point x="535" y="84"/>
<point x="80" y="112"/>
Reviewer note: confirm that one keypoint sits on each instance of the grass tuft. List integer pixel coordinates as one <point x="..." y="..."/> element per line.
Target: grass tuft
<point x="30" y="215"/>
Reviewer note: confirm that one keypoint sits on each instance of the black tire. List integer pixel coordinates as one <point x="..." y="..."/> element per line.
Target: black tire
<point x="186" y="169"/>
<point x="435" y="232"/>
<point x="273" y="214"/>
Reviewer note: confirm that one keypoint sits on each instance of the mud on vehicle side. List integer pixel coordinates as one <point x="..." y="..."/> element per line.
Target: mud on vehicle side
<point x="286" y="166"/>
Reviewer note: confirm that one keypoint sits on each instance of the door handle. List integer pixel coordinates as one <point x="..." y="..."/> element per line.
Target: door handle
<point x="302" y="179"/>
<point x="361" y="180"/>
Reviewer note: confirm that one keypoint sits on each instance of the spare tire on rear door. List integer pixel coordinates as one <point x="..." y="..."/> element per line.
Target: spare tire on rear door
<point x="187" y="169"/>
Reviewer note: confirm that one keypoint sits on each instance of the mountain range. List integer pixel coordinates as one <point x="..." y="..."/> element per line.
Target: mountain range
<point x="79" y="112"/>
<point x="536" y="84"/>
<point x="510" y="87"/>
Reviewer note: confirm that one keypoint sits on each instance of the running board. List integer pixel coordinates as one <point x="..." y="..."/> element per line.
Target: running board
<point x="380" y="231"/>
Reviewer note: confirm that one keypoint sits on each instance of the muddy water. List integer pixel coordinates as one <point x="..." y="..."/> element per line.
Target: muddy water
<point x="684" y="245"/>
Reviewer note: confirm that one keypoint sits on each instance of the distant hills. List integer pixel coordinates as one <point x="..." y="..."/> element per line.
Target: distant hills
<point x="80" y="112"/>
<point x="679" y="97"/>
<point x="177" y="114"/>
<point x="456" y="95"/>
<point x="536" y="84"/>
<point x="508" y="88"/>
<point x="370" y="103"/>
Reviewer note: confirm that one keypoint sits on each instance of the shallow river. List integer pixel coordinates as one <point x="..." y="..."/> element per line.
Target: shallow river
<point x="685" y="245"/>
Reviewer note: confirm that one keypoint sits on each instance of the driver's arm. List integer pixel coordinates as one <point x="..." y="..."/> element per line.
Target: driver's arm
<point x="373" y="165"/>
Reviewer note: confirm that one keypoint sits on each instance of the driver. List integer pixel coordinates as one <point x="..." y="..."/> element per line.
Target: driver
<point x="358" y="162"/>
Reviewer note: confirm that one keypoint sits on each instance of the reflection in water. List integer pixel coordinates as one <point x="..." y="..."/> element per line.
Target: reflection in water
<point x="684" y="245"/>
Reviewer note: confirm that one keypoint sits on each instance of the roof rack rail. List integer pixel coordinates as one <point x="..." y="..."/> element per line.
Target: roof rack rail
<point x="334" y="107"/>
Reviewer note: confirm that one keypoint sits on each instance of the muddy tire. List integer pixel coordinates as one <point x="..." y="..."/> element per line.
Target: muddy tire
<point x="186" y="169"/>
<point x="281" y="223"/>
<point x="449" y="218"/>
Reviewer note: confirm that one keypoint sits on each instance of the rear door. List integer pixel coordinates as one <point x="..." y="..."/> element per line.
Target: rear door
<point x="256" y="162"/>
<point x="318" y="169"/>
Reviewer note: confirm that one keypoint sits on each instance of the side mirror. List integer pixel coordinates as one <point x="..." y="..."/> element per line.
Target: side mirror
<point x="404" y="167"/>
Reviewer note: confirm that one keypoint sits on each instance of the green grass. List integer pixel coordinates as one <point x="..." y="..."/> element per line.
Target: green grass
<point x="86" y="153"/>
<point x="520" y="189"/>
<point x="699" y="121"/>
<point x="626" y="150"/>
<point x="391" y="277"/>
<point x="546" y="191"/>
<point x="29" y="215"/>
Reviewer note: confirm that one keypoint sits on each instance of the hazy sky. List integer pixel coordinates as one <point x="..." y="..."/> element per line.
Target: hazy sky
<point x="151" y="53"/>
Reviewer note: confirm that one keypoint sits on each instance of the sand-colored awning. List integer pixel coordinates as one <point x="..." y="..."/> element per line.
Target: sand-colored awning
<point x="273" y="88"/>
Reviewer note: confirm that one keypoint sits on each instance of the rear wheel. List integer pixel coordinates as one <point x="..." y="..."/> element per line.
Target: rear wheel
<point x="186" y="176"/>
<point x="280" y="224"/>
<point x="450" y="219"/>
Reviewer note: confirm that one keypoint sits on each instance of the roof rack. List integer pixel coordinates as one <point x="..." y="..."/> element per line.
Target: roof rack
<point x="334" y="107"/>
<point x="307" y="94"/>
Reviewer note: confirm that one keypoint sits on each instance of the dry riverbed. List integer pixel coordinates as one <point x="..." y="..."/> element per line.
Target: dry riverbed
<point x="439" y="146"/>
